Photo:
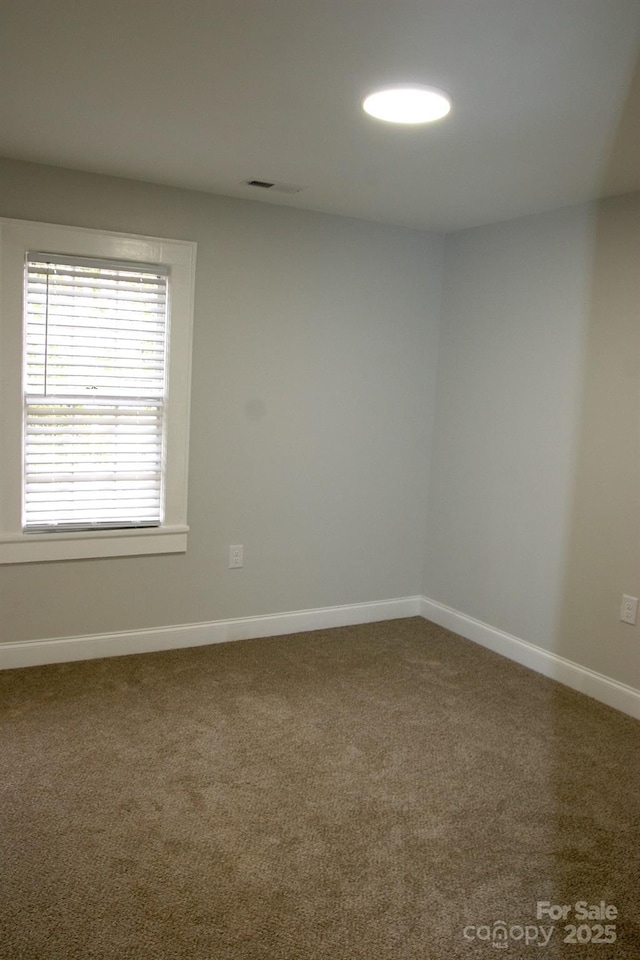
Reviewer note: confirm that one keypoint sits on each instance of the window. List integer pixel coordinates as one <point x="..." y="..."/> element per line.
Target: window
<point x="94" y="393"/>
<point x="95" y="362"/>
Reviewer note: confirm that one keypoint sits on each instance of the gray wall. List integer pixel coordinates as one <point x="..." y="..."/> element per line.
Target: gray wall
<point x="312" y="411"/>
<point x="314" y="402"/>
<point x="534" y="506"/>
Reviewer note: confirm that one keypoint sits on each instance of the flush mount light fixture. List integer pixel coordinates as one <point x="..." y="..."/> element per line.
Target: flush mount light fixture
<point x="408" y="104"/>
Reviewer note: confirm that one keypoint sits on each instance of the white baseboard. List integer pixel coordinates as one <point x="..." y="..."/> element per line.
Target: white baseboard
<point x="596" y="685"/>
<point x="33" y="653"/>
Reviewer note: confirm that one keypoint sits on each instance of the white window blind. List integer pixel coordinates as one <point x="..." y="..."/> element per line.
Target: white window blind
<point x="96" y="335"/>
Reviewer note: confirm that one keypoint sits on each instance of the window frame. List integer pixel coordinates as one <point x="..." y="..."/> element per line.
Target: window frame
<point x="17" y="238"/>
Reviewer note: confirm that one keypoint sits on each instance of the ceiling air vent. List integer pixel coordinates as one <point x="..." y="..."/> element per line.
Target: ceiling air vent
<point x="272" y="185"/>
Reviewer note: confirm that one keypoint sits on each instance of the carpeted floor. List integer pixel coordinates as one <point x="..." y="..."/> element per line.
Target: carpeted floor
<point x="364" y="793"/>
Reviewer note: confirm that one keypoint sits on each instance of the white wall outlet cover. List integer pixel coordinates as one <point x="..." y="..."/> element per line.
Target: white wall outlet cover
<point x="236" y="556"/>
<point x="629" y="609"/>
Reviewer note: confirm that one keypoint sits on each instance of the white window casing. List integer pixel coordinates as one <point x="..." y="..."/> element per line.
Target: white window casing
<point x="95" y="364"/>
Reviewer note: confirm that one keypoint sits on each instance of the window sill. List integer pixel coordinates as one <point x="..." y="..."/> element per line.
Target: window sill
<point x="42" y="547"/>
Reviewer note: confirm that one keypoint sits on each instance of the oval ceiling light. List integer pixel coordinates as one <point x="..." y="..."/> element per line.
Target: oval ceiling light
<point x="408" y="104"/>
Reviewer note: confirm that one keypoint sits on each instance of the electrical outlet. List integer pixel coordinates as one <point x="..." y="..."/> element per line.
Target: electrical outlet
<point x="629" y="609"/>
<point x="236" y="558"/>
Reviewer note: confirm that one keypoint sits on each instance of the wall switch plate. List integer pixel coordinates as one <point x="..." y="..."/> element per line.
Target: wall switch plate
<point x="236" y="556"/>
<point x="629" y="609"/>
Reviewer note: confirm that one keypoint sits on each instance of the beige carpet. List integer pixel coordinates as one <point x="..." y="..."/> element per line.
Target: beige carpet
<point x="365" y="793"/>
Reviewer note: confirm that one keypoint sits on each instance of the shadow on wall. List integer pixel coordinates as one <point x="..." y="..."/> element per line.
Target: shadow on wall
<point x="602" y="562"/>
<point x="603" y="549"/>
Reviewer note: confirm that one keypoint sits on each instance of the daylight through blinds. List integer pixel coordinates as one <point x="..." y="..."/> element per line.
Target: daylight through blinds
<point x="95" y="375"/>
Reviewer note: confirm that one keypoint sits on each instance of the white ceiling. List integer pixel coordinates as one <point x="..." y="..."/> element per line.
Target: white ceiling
<point x="208" y="93"/>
